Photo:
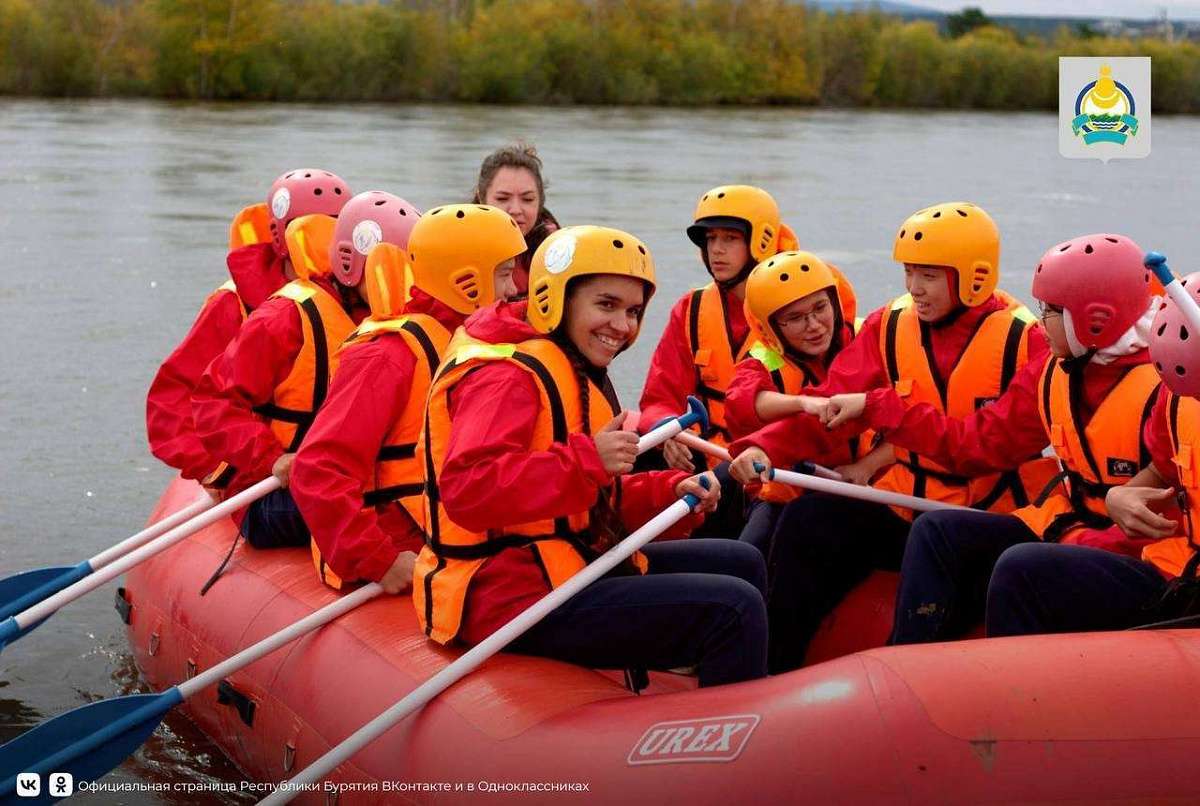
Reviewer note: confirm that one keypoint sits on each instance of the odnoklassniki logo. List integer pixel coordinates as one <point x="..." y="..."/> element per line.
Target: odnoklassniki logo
<point x="1104" y="107"/>
<point x="718" y="738"/>
<point x="1104" y="111"/>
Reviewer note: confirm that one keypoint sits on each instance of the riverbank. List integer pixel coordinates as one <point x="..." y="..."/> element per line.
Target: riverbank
<point x="602" y="52"/>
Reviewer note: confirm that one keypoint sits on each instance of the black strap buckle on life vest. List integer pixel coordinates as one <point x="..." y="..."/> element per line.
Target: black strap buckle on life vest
<point x="123" y="606"/>
<point x="228" y="695"/>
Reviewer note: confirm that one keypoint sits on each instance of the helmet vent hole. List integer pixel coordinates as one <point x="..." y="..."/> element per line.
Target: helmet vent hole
<point x="641" y="249"/>
<point x="618" y="244"/>
<point x="803" y="267"/>
<point x="337" y="191"/>
<point x="1180" y="371"/>
<point x="938" y="214"/>
<point x="460" y="214"/>
<point x="380" y="202"/>
<point x="1087" y="250"/>
<point x="1112" y="240"/>
<point x="1096" y="329"/>
<point x="1039" y="268"/>
<point x="770" y="263"/>
<point x="403" y="211"/>
<point x="783" y="278"/>
<point x="481" y="207"/>
<point x="902" y="233"/>
<point x="917" y="236"/>
<point x="290" y="175"/>
<point x="317" y="191"/>
<point x="961" y="213"/>
<point x="1146" y="277"/>
<point x="1162" y="328"/>
<point x="308" y="176"/>
<point x="721" y="195"/>
<point x="1183" y="333"/>
<point x="704" y="197"/>
<point x="435" y="211"/>
<point x="1064" y="247"/>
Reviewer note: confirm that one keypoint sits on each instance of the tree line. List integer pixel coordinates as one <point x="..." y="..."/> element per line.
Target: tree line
<point x="670" y="52"/>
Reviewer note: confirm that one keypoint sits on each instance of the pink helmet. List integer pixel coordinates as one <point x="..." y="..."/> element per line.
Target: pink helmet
<point x="302" y="192"/>
<point x="1100" y="281"/>
<point x="366" y="220"/>
<point x="1175" y="355"/>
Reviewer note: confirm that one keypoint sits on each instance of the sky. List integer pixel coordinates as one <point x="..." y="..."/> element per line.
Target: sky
<point x="1133" y="9"/>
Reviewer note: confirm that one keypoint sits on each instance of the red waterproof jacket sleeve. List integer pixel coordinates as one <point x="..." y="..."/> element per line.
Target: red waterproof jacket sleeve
<point x="490" y="477"/>
<point x="672" y="374"/>
<point x="1158" y="439"/>
<point x="997" y="437"/>
<point x="368" y="394"/>
<point x="243" y="376"/>
<point x="644" y="495"/>
<point x="170" y="428"/>
<point x="750" y="378"/>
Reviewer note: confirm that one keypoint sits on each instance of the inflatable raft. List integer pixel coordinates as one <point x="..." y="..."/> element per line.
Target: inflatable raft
<point x="1080" y="718"/>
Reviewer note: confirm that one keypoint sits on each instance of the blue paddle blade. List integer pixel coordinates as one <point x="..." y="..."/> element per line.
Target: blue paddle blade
<point x="22" y="591"/>
<point x="87" y="742"/>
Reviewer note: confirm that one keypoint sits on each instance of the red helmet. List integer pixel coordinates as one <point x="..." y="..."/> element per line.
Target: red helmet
<point x="302" y="192"/>
<point x="1175" y="355"/>
<point x="1099" y="280"/>
<point x="368" y="219"/>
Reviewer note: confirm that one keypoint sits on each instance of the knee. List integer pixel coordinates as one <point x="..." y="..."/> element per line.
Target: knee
<point x="745" y="562"/>
<point x="744" y="601"/>
<point x="1017" y="569"/>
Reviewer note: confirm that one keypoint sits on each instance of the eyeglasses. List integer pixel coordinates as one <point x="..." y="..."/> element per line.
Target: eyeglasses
<point x="798" y="319"/>
<point x="1045" y="311"/>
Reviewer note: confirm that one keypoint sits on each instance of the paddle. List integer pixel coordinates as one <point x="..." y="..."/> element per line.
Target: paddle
<point x="696" y="414"/>
<point x="18" y="625"/>
<point x="713" y="449"/>
<point x="93" y="739"/>
<point x="21" y="591"/>
<point x="475" y="656"/>
<point x="1157" y="263"/>
<point x="849" y="490"/>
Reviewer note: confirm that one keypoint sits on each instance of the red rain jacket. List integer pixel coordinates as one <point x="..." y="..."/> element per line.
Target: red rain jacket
<point x="245" y="375"/>
<point x="170" y="429"/>
<point x="672" y="375"/>
<point x="333" y="466"/>
<point x="490" y="474"/>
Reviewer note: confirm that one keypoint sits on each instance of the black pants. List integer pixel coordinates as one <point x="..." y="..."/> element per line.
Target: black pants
<point x="274" y="521"/>
<point x="823" y="546"/>
<point x="761" y="517"/>
<point x="1048" y="588"/>
<point x="701" y="604"/>
<point x="945" y="572"/>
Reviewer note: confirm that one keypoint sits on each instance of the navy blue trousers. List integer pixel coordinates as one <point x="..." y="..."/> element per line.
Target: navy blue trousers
<point x="761" y="517"/>
<point x="701" y="604"/>
<point x="823" y="546"/>
<point x="945" y="571"/>
<point x="274" y="521"/>
<point x="1049" y="588"/>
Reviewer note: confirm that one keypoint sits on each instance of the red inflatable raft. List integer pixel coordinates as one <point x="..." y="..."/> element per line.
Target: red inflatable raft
<point x="1082" y="718"/>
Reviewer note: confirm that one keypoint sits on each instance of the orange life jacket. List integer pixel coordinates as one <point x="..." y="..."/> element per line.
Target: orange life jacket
<point x="1104" y="453"/>
<point x="398" y="475"/>
<point x="295" y="402"/>
<point x="452" y="553"/>
<point x="1179" y="556"/>
<point x="789" y="378"/>
<point x="715" y="356"/>
<point x="997" y="349"/>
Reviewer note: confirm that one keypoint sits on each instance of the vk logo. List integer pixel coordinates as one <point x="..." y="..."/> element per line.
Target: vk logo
<point x="29" y="784"/>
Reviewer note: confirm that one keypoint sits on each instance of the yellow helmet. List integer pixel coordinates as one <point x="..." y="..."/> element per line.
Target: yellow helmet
<point x="308" y="240"/>
<point x="251" y="225"/>
<point x="576" y="252"/>
<point x="747" y="208"/>
<point x="454" y="249"/>
<point x="778" y="282"/>
<point x="385" y="278"/>
<point x="955" y="234"/>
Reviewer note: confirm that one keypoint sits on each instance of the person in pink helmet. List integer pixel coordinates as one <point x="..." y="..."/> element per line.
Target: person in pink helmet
<point x="1087" y="400"/>
<point x="257" y="261"/>
<point x="257" y="401"/>
<point x="1047" y="588"/>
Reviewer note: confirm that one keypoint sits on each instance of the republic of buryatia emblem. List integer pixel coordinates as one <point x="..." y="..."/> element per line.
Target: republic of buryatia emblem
<point x="1104" y="111"/>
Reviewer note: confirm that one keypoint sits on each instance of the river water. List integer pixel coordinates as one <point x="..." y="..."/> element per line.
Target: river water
<point x="113" y="219"/>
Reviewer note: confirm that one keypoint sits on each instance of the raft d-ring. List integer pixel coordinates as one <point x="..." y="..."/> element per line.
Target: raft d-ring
<point x="289" y="756"/>
<point x="191" y="668"/>
<point x="153" y="648"/>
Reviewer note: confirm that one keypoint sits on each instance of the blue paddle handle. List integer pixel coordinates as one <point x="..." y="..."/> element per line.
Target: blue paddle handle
<point x="691" y="498"/>
<point x="45" y="591"/>
<point x="760" y="467"/>
<point x="1157" y="263"/>
<point x="9" y="631"/>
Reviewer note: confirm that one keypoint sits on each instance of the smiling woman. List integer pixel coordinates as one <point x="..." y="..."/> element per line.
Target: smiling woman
<point x="511" y="178"/>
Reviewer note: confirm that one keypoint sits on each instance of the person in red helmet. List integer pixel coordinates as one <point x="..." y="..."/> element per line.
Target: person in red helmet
<point x="1088" y="400"/>
<point x="1046" y="588"/>
<point x="356" y="479"/>
<point x="256" y="401"/>
<point x="256" y="271"/>
<point x="955" y="342"/>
